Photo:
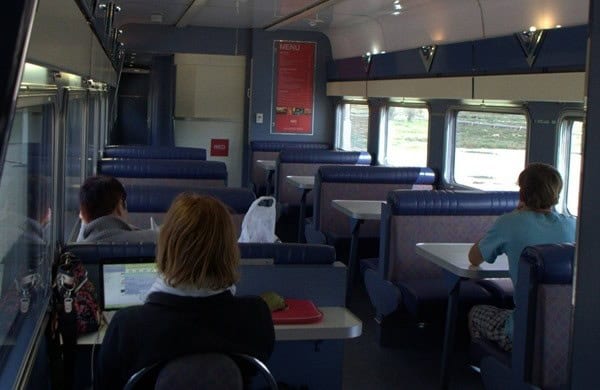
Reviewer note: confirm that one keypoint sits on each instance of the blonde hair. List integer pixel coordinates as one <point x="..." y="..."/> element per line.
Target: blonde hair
<point x="540" y="186"/>
<point x="197" y="245"/>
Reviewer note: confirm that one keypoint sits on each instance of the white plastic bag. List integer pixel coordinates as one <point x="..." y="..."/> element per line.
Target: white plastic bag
<point x="259" y="222"/>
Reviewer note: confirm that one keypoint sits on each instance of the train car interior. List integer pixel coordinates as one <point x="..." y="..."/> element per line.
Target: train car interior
<point x="387" y="135"/>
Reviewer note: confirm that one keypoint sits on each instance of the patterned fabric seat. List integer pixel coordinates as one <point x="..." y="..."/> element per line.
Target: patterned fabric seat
<point x="406" y="283"/>
<point x="542" y="322"/>
<point x="359" y="183"/>
<point x="269" y="150"/>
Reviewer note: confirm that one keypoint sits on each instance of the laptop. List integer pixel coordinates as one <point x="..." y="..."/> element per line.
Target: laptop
<point x="125" y="284"/>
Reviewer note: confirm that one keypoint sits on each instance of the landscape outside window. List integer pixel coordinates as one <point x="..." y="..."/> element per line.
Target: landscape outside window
<point x="406" y="137"/>
<point x="489" y="150"/>
<point x="355" y="126"/>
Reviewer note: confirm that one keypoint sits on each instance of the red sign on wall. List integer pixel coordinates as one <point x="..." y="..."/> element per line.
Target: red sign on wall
<point x="219" y="147"/>
<point x="294" y="87"/>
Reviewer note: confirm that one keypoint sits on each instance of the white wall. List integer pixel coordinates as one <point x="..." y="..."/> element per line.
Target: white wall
<point x="209" y="104"/>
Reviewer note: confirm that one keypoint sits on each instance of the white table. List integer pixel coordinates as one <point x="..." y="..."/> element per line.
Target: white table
<point x="304" y="184"/>
<point x="337" y="323"/>
<point x="358" y="211"/>
<point x="454" y="259"/>
<point x="269" y="167"/>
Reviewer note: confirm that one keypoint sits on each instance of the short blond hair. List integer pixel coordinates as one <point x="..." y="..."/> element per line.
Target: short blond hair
<point x="197" y="245"/>
<point x="540" y="186"/>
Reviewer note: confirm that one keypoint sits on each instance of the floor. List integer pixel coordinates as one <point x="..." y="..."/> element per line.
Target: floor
<point x="367" y="365"/>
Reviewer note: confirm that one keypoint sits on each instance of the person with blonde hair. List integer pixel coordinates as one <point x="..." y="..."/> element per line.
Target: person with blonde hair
<point x="533" y="222"/>
<point x="192" y="307"/>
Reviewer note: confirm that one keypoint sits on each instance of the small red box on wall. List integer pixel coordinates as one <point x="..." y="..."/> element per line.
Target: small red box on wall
<point x="219" y="147"/>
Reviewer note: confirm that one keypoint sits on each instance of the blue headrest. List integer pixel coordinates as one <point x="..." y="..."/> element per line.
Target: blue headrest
<point x="553" y="262"/>
<point x="161" y="152"/>
<point x="155" y="198"/>
<point x="92" y="253"/>
<point x="369" y="174"/>
<point x="174" y="169"/>
<point x="276" y="146"/>
<point x="324" y="157"/>
<point x="289" y="253"/>
<point x="451" y="203"/>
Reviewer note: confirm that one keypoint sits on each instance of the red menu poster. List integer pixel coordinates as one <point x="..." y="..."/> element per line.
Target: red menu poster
<point x="294" y="87"/>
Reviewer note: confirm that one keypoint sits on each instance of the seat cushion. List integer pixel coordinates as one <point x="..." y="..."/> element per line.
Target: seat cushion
<point x="502" y="289"/>
<point x="427" y="299"/>
<point x="368" y="264"/>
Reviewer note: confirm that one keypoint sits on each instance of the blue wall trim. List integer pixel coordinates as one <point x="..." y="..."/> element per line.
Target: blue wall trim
<point x="561" y="50"/>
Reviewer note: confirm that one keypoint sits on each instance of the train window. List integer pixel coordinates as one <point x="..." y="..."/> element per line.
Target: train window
<point x="489" y="149"/>
<point x="26" y="199"/>
<point x="75" y="128"/>
<point x="404" y="142"/>
<point x="353" y="126"/>
<point x="571" y="149"/>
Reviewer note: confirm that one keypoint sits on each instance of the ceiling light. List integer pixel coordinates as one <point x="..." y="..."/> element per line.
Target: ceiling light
<point x="368" y="53"/>
<point x="156" y="18"/>
<point x="382" y="52"/>
<point x="532" y="29"/>
<point x="396" y="1"/>
<point x="558" y="26"/>
<point x="397" y="6"/>
<point x="396" y="13"/>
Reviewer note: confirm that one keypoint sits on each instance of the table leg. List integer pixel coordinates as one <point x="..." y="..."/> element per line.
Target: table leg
<point x="269" y="181"/>
<point x="302" y="216"/>
<point x="450" y="331"/>
<point x="353" y="256"/>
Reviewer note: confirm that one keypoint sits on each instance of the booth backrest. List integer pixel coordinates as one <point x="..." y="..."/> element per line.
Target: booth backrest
<point x="154" y="152"/>
<point x="543" y="315"/>
<point x="172" y="172"/>
<point x="269" y="150"/>
<point x="410" y="217"/>
<point x="307" y="163"/>
<point x="361" y="183"/>
<point x="289" y="253"/>
<point x="150" y="200"/>
<point x="300" y="271"/>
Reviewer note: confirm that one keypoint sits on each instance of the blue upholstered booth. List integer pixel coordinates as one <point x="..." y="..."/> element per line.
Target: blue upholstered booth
<point x="148" y="168"/>
<point x="400" y="280"/>
<point x="361" y="183"/>
<point x="289" y="253"/>
<point x="154" y="152"/>
<point x="307" y="163"/>
<point x="542" y="323"/>
<point x="269" y="150"/>
<point x="278" y="146"/>
<point x="155" y="198"/>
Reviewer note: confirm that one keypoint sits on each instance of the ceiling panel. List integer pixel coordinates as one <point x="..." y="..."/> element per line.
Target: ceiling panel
<point x="357" y="26"/>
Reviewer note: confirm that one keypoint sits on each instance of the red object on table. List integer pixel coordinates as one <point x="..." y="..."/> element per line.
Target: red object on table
<point x="297" y="311"/>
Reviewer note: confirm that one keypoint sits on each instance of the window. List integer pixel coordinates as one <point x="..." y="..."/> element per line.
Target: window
<point x="569" y="164"/>
<point x="489" y="150"/>
<point x="26" y="199"/>
<point x="353" y="126"/>
<point x="404" y="143"/>
<point x="75" y="130"/>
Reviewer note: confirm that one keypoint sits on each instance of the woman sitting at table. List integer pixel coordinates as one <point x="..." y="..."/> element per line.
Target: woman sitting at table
<point x="192" y="307"/>
<point x="533" y="222"/>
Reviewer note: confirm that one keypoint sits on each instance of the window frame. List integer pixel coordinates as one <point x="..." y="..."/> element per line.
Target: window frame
<point x="449" y="157"/>
<point x="563" y="152"/>
<point x="339" y="127"/>
<point x="384" y="131"/>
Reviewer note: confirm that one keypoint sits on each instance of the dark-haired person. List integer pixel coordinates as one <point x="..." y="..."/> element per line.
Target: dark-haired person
<point x="533" y="222"/>
<point x="192" y="307"/>
<point x="103" y="213"/>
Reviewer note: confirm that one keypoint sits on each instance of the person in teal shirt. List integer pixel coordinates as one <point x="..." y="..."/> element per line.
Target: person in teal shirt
<point x="533" y="222"/>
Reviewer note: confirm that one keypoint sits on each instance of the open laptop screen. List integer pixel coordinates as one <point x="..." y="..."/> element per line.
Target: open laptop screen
<point x="126" y="284"/>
